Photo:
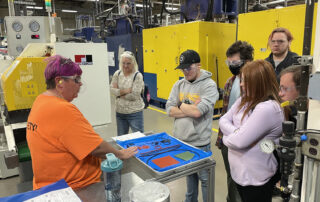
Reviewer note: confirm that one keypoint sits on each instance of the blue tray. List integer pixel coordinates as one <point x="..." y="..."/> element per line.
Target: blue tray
<point x="161" y="145"/>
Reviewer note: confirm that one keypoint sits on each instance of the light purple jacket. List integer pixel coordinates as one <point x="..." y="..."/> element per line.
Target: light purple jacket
<point x="248" y="164"/>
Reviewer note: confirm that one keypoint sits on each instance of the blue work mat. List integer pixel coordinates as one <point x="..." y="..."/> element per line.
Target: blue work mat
<point x="162" y="145"/>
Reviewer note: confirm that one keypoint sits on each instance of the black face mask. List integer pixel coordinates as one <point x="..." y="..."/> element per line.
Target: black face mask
<point x="235" y="69"/>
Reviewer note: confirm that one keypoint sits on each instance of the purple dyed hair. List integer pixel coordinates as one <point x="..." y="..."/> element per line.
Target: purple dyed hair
<point x="60" y="66"/>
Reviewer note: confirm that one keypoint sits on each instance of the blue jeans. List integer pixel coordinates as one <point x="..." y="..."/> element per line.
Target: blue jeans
<point x="134" y="120"/>
<point x="193" y="182"/>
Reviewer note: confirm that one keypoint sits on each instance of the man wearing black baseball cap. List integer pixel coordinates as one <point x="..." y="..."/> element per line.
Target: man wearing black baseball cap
<point x="191" y="103"/>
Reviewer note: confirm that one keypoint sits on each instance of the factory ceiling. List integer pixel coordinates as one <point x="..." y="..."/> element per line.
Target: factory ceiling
<point x="92" y="6"/>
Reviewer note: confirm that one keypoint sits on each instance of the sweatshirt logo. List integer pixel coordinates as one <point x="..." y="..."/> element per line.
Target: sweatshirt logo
<point x="188" y="98"/>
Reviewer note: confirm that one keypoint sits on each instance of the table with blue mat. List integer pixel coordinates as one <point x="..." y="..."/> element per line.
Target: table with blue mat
<point x="164" y="158"/>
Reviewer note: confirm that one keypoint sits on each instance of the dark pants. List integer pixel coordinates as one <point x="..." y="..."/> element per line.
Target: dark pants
<point x="261" y="193"/>
<point x="134" y="121"/>
<point x="233" y="194"/>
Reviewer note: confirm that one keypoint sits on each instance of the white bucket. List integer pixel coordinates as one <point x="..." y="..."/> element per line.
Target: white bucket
<point x="150" y="191"/>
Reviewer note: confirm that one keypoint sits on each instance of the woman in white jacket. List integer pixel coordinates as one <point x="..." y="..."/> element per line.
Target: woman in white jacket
<point x="127" y="84"/>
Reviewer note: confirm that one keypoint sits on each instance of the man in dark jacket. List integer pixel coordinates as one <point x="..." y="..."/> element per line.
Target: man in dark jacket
<point x="281" y="57"/>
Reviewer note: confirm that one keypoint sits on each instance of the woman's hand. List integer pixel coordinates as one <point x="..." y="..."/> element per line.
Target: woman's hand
<point x="115" y="85"/>
<point x="125" y="91"/>
<point x="127" y="153"/>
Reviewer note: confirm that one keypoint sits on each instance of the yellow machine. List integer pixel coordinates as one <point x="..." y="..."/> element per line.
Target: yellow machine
<point x="22" y="82"/>
<point x="162" y="47"/>
<point x="254" y="28"/>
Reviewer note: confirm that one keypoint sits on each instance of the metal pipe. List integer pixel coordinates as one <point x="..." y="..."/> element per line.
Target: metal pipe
<point x="53" y="7"/>
<point x="11" y="8"/>
<point x="119" y="7"/>
<point x="275" y="2"/>
<point x="316" y="48"/>
<point x="243" y="6"/>
<point x="317" y="180"/>
<point x="145" y="14"/>
<point x="301" y="117"/>
<point x="295" y="195"/>
<point x="304" y="177"/>
<point x="309" y="179"/>
<point x="96" y="6"/>
<point x="308" y="28"/>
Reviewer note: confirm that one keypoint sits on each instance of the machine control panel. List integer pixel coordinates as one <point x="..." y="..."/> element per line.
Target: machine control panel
<point x="34" y="26"/>
<point x="310" y="147"/>
<point x="22" y="30"/>
<point x="17" y="26"/>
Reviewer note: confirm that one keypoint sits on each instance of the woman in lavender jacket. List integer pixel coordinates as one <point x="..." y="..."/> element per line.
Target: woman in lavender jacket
<point x="255" y="116"/>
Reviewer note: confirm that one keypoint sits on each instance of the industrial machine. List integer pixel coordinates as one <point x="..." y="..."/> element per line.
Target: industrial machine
<point x="22" y="30"/>
<point x="163" y="45"/>
<point x="24" y="80"/>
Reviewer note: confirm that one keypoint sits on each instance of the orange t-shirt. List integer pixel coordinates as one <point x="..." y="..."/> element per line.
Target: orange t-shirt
<point x="61" y="141"/>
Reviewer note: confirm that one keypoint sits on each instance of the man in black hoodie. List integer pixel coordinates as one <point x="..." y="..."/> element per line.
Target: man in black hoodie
<point x="279" y="42"/>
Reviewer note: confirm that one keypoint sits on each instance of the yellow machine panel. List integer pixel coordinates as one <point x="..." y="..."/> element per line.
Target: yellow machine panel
<point x="22" y="82"/>
<point x="256" y="27"/>
<point x="162" y="47"/>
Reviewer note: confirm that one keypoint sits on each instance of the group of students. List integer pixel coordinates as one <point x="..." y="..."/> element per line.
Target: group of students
<point x="64" y="145"/>
<point x="251" y="113"/>
<point x="256" y="115"/>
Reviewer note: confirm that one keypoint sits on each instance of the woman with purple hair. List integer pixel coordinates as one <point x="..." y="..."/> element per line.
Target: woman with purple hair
<point x="62" y="142"/>
<point x="127" y="85"/>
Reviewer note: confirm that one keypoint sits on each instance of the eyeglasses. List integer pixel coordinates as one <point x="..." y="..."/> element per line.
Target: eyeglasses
<point x="234" y="62"/>
<point x="285" y="89"/>
<point x="277" y="41"/>
<point x="188" y="69"/>
<point x="76" y="79"/>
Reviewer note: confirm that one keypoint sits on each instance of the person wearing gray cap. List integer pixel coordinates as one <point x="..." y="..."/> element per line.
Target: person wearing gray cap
<point x="191" y="103"/>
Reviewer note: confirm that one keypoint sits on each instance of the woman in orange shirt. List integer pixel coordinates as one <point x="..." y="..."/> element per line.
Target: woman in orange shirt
<point x="62" y="142"/>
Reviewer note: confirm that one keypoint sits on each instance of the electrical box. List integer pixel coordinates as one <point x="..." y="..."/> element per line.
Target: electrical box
<point x="22" y="30"/>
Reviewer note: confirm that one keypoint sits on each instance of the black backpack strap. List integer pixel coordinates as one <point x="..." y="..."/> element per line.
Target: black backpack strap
<point x="135" y="75"/>
<point x="118" y="76"/>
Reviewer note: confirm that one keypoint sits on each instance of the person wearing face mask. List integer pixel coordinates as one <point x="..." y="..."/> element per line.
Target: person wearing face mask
<point x="238" y="54"/>
<point x="281" y="57"/>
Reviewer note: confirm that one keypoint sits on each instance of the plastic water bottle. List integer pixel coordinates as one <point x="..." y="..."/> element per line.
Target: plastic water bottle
<point x="111" y="168"/>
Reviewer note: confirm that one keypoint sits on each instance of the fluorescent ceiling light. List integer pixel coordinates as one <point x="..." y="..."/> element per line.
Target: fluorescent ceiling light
<point x="69" y="11"/>
<point x="35" y="7"/>
<point x="170" y="4"/>
<point x="140" y="5"/>
<point x="174" y="4"/>
<point x="171" y="9"/>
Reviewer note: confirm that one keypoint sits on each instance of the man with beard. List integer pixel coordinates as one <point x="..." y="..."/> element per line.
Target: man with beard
<point x="238" y="54"/>
<point x="279" y="42"/>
